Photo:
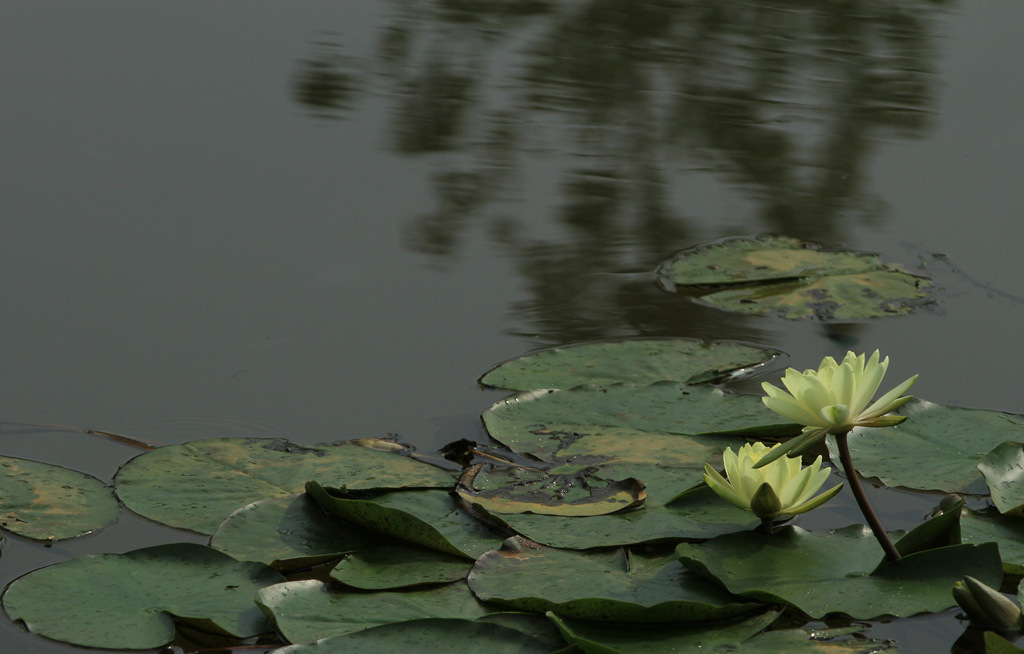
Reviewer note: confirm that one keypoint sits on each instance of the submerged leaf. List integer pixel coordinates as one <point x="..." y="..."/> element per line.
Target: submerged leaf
<point x="573" y="494"/>
<point x="48" y="502"/>
<point x="126" y="601"/>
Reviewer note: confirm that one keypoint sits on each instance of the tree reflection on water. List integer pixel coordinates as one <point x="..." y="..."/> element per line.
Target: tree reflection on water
<point x="643" y="119"/>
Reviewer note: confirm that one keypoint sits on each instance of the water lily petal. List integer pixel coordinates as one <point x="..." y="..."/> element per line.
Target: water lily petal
<point x="723" y="488"/>
<point x="890" y="401"/>
<point x="816" y="502"/>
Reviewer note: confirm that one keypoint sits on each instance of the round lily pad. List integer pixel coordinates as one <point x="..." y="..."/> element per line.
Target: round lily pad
<point x="130" y="601"/>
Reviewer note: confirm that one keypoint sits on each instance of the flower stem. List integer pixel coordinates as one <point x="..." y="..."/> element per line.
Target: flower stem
<point x="862" y="500"/>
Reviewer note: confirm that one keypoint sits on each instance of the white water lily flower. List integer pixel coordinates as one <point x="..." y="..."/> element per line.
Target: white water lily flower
<point x="782" y="487"/>
<point x="835" y="398"/>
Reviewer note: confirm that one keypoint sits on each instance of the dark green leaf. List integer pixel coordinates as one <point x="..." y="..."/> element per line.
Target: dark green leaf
<point x="832" y="572"/>
<point x="638" y="361"/>
<point x="197" y="485"/>
<point x="125" y="601"/>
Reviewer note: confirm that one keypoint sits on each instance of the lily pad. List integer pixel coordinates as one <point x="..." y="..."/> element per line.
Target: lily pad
<point x="700" y="514"/>
<point x="289" y="532"/>
<point x="618" y="638"/>
<point x="197" y="485"/>
<point x="989" y="526"/>
<point x="428" y="518"/>
<point x="48" y="502"/>
<point x="621" y="585"/>
<point x="758" y="259"/>
<point x="126" y="601"/>
<point x="854" y="296"/>
<point x="637" y="361"/>
<point x="543" y="423"/>
<point x="304" y="611"/>
<point x="1003" y="469"/>
<point x="398" y="566"/>
<point x="429" y="636"/>
<point x="945" y="444"/>
<point x="835" y="572"/>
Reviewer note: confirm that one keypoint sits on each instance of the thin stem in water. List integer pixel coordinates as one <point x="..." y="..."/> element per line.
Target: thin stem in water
<point x="862" y="500"/>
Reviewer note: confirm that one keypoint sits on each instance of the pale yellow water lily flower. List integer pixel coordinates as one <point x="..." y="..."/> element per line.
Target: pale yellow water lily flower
<point x="783" y="487"/>
<point x="835" y="398"/>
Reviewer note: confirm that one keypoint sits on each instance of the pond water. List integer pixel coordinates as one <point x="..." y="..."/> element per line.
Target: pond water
<point x="326" y="220"/>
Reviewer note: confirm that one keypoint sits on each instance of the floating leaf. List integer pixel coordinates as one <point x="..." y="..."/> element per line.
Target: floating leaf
<point x="1003" y="469"/>
<point x="309" y="610"/>
<point x="989" y="526"/>
<point x="857" y="296"/>
<point x="288" y="532"/>
<point x="125" y="601"/>
<point x="398" y="566"/>
<point x="197" y="485"/>
<point x="544" y="423"/>
<point x="619" y="638"/>
<point x="996" y="644"/>
<point x="758" y="259"/>
<point x="700" y="514"/>
<point x="428" y="518"/>
<point x="832" y="572"/>
<point x="788" y="278"/>
<point x="47" y="502"/>
<point x="946" y="444"/>
<point x="623" y="585"/>
<point x="637" y="361"/>
<point x="571" y="494"/>
<point x="429" y="636"/>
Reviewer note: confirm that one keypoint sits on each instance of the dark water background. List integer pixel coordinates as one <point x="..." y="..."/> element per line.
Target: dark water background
<point x="326" y="220"/>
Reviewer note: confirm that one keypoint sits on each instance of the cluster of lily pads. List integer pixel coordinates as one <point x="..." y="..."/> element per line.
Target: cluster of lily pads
<point x="600" y="522"/>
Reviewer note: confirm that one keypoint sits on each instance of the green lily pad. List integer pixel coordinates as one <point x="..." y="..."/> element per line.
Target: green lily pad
<point x="622" y="585"/>
<point x="126" y="601"/>
<point x="304" y="611"/>
<point x="398" y="566"/>
<point x="543" y="423"/>
<point x="197" y="485"/>
<point x="48" y="502"/>
<point x="428" y="518"/>
<point x="571" y="494"/>
<point x="996" y="644"/>
<point x="854" y="296"/>
<point x="832" y="572"/>
<point x="758" y="259"/>
<point x="990" y="526"/>
<point x="1003" y="469"/>
<point x="945" y="444"/>
<point x="619" y="638"/>
<point x="791" y="279"/>
<point x="429" y="636"/>
<point x="289" y="532"/>
<point x="637" y="361"/>
<point x="701" y="514"/>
